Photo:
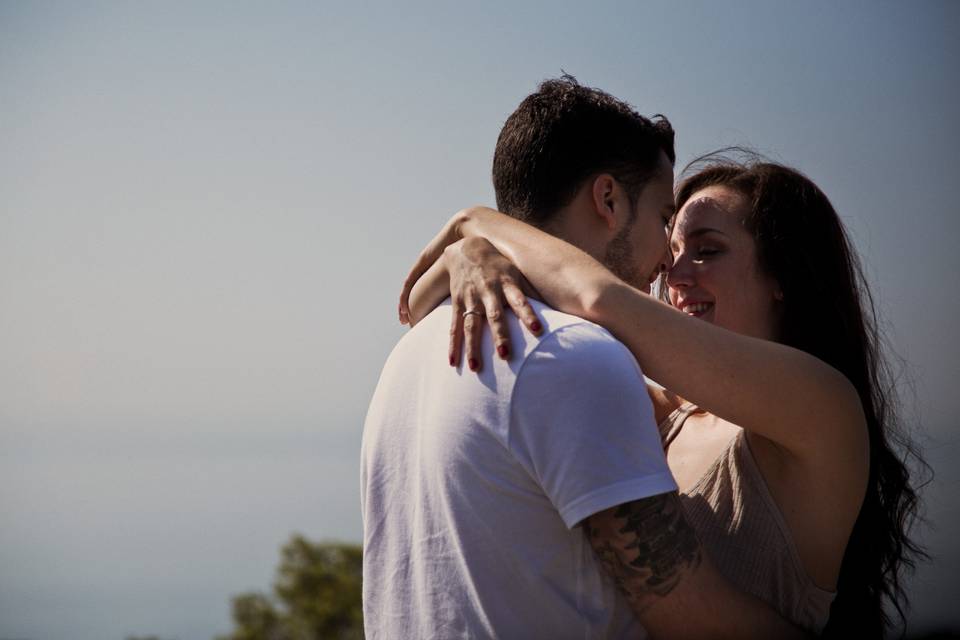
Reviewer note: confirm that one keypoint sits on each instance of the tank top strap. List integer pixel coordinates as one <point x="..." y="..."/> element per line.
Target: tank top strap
<point x="672" y="424"/>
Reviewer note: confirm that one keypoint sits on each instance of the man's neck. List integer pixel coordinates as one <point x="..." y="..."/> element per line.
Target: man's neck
<point x="575" y="225"/>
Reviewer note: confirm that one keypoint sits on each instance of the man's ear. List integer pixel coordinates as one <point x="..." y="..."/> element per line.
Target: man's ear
<point x="605" y="194"/>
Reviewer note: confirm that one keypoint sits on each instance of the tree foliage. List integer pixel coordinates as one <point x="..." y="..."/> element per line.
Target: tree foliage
<point x="316" y="596"/>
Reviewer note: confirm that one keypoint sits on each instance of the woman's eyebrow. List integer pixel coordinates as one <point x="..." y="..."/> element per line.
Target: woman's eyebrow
<point x="699" y="231"/>
<point x="696" y="233"/>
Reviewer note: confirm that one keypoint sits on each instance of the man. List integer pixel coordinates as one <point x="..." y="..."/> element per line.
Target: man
<point x="533" y="499"/>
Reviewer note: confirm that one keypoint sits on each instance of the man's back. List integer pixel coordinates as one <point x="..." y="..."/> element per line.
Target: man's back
<point x="472" y="484"/>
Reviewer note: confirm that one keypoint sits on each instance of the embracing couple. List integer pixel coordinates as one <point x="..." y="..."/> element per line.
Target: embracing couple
<point x="522" y="479"/>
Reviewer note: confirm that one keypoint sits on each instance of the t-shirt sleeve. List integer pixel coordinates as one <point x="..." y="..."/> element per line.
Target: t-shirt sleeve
<point x="582" y="424"/>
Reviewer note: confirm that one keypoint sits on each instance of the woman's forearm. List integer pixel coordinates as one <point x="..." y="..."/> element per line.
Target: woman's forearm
<point x="429" y="291"/>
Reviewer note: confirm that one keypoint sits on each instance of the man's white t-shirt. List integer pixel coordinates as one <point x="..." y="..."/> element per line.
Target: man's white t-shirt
<point x="472" y="486"/>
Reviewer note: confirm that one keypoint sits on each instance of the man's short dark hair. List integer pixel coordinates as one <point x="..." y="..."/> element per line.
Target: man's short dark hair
<point x="562" y="135"/>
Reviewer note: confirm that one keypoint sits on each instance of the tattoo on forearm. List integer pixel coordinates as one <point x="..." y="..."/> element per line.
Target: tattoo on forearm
<point x="646" y="545"/>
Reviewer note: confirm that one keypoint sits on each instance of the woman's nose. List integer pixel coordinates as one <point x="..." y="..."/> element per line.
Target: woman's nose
<point x="679" y="273"/>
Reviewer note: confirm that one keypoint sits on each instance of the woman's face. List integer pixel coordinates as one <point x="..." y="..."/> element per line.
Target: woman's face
<point x="715" y="274"/>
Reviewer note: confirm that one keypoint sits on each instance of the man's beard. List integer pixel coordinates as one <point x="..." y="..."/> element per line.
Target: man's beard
<point x="618" y="257"/>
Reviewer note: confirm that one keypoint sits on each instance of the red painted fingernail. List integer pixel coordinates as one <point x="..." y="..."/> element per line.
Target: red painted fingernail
<point x="474" y="365"/>
<point x="452" y="361"/>
<point x="503" y="350"/>
<point x="535" y="326"/>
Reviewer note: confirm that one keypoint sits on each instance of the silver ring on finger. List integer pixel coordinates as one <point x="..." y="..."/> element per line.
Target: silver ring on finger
<point x="473" y="312"/>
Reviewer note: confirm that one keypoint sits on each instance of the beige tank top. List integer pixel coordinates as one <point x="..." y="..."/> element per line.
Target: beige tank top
<point x="743" y="530"/>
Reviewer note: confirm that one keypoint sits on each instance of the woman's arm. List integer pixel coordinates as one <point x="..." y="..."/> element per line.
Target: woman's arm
<point x="776" y="391"/>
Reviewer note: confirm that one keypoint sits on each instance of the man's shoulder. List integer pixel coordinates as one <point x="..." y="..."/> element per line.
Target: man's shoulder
<point x="566" y="340"/>
<point x="555" y="320"/>
<point x="572" y="337"/>
<point x="435" y="327"/>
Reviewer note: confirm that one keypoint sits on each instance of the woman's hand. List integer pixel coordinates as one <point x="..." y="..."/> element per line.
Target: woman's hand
<point x="449" y="234"/>
<point x="481" y="280"/>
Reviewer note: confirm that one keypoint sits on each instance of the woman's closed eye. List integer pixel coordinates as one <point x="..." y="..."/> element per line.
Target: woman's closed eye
<point x="703" y="253"/>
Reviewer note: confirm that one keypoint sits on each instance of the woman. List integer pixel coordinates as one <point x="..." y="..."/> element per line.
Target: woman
<point x="785" y="461"/>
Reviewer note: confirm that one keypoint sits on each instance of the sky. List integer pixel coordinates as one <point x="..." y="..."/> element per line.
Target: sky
<point x="206" y="212"/>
